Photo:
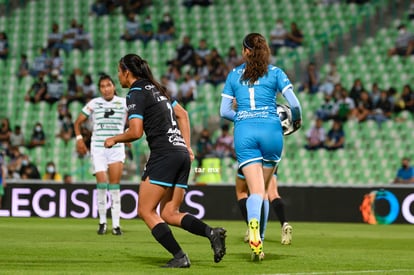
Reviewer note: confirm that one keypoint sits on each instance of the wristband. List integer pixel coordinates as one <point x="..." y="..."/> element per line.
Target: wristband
<point x="79" y="137"/>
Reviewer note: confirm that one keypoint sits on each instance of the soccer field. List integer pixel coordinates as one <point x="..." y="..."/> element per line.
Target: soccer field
<point x="71" y="246"/>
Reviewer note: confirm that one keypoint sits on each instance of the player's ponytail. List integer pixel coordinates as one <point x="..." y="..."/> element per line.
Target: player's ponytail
<point x="258" y="57"/>
<point x="140" y="69"/>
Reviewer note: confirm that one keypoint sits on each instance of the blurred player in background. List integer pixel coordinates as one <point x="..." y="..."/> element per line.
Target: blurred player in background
<point x="108" y="114"/>
<point x="166" y="173"/>
<point x="258" y="132"/>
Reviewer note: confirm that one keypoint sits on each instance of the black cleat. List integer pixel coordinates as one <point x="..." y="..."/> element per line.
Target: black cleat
<point x="102" y="229"/>
<point x="116" y="231"/>
<point x="183" y="262"/>
<point x="218" y="244"/>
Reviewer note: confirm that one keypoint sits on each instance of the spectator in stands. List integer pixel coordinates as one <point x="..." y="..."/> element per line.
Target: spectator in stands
<point x="218" y="73"/>
<point x="363" y="108"/>
<point x="51" y="172"/>
<point x="337" y="92"/>
<point x="5" y="132"/>
<point x="405" y="173"/>
<point x="135" y="6"/>
<point x="74" y="91"/>
<point x="55" y="88"/>
<point x="383" y="109"/>
<point x="411" y="11"/>
<point x="375" y="93"/>
<point x="356" y="89"/>
<point x="224" y="146"/>
<point x="216" y="67"/>
<point x="37" y="91"/>
<point x="56" y="62"/>
<point x="202" y="51"/>
<point x="102" y="7"/>
<point x="335" y="138"/>
<point x="166" y="29"/>
<point x="331" y="79"/>
<point x="13" y="166"/>
<point x="131" y="32"/>
<point x="67" y="179"/>
<point x="315" y="136"/>
<point x="69" y="36"/>
<point x="83" y="40"/>
<point x="325" y="111"/>
<point x="67" y="131"/>
<point x="38" y="137"/>
<point x="4" y="46"/>
<point x="28" y="170"/>
<point x="200" y="70"/>
<point x="55" y="38"/>
<point x="41" y="63"/>
<point x="295" y="37"/>
<point x="277" y="36"/>
<point x="204" y="146"/>
<point x="174" y="71"/>
<point x="88" y="88"/>
<point x="190" y="3"/>
<point x="185" y="52"/>
<point x="404" y="43"/>
<point x="232" y="59"/>
<point x="147" y="30"/>
<point x="406" y="100"/>
<point x="23" y="69"/>
<point x="343" y="107"/>
<point x="310" y="81"/>
<point x="17" y="137"/>
<point x="188" y="89"/>
<point x="171" y="86"/>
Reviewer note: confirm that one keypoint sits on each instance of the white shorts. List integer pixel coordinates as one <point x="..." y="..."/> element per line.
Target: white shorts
<point x="102" y="157"/>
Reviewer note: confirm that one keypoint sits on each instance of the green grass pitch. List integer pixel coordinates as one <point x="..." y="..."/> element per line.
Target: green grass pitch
<point x="71" y="246"/>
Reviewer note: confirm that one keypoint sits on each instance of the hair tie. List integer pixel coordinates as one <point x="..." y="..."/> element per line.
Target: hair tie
<point x="247" y="45"/>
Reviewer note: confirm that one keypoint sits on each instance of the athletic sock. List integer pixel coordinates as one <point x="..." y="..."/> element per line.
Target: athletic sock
<point x="195" y="226"/>
<point x="243" y="209"/>
<point x="162" y="233"/>
<point x="279" y="207"/>
<point x="254" y="206"/>
<point x="263" y="218"/>
<point x="101" y="188"/>
<point x="114" y="190"/>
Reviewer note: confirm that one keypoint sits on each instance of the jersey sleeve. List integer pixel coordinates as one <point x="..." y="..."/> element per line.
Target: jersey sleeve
<point x="228" y="90"/>
<point x="136" y="105"/>
<point x="87" y="110"/>
<point x="282" y="81"/>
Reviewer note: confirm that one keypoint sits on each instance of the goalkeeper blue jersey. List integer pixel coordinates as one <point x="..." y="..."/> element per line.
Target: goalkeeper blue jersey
<point x="257" y="101"/>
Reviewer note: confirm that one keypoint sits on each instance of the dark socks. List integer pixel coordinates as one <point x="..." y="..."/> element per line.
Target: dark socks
<point x="243" y="208"/>
<point x="195" y="226"/>
<point x="162" y="233"/>
<point x="279" y="208"/>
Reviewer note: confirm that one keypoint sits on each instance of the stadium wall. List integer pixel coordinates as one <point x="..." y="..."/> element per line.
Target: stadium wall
<point x="391" y="204"/>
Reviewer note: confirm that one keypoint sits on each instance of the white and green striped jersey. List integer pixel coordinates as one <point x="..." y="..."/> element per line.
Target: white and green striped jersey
<point x="108" y="119"/>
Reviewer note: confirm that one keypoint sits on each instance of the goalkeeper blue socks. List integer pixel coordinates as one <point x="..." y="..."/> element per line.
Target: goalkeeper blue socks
<point x="254" y="206"/>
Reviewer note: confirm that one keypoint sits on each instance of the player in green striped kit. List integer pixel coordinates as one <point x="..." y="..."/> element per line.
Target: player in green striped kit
<point x="108" y="115"/>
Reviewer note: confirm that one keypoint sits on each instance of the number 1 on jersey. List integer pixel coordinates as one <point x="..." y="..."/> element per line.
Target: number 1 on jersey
<point x="252" y="101"/>
<point x="173" y="122"/>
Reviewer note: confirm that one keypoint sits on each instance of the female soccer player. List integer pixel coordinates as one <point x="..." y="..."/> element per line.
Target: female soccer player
<point x="273" y="198"/>
<point x="108" y="113"/>
<point x="258" y="134"/>
<point x="166" y="173"/>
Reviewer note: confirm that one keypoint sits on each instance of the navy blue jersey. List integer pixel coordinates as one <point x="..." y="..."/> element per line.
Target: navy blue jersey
<point x="146" y="102"/>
